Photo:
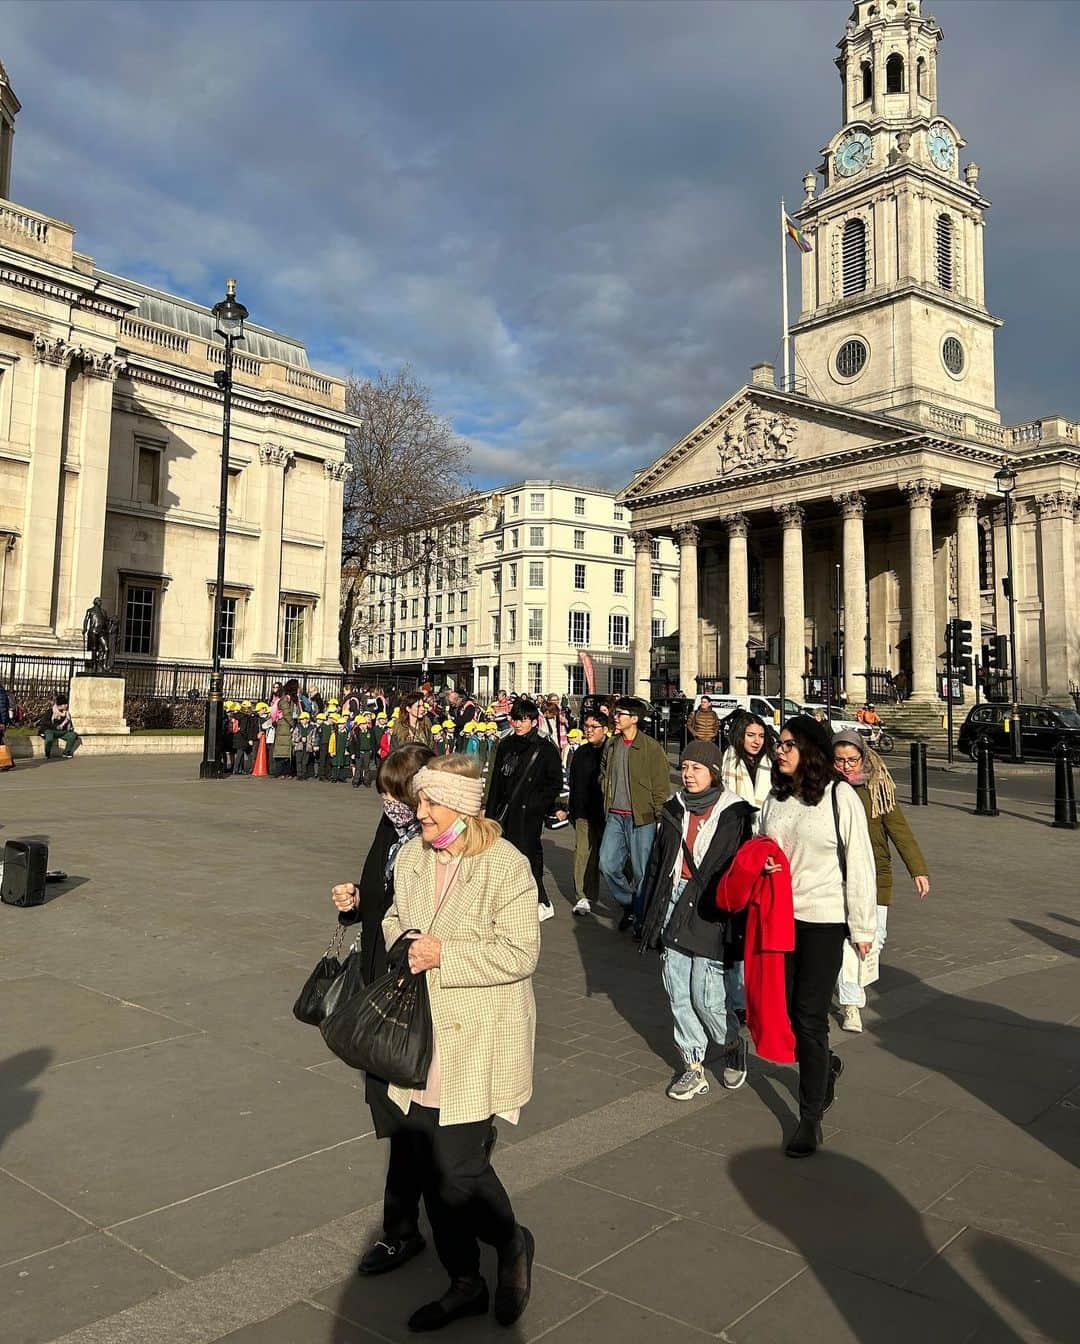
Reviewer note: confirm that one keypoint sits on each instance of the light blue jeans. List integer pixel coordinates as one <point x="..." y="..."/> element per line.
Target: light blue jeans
<point x="623" y="840"/>
<point x="703" y="997"/>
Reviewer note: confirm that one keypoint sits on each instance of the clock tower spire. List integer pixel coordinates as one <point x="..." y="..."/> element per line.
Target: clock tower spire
<point x="893" y="314"/>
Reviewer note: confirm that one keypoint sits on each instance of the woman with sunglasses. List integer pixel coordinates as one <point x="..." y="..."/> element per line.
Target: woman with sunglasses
<point x="819" y="823"/>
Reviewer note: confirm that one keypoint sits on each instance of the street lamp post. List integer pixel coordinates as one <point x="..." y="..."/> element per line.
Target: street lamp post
<point x="229" y="317"/>
<point x="1005" y="480"/>
<point x="430" y="542"/>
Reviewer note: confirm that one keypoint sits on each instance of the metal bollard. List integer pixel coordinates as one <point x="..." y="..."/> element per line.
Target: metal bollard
<point x="1064" y="797"/>
<point x="919" y="794"/>
<point x="985" y="788"/>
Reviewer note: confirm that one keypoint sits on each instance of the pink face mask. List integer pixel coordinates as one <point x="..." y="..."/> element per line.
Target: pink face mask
<point x="447" y="838"/>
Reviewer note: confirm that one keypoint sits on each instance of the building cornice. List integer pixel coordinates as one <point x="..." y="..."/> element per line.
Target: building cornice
<point x="60" y="282"/>
<point x="905" y="289"/>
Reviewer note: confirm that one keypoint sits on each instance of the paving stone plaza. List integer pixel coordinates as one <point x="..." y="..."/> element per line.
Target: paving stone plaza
<point x="182" y="1162"/>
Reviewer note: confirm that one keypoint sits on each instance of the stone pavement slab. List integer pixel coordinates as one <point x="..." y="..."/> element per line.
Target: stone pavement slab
<point x="216" y="1181"/>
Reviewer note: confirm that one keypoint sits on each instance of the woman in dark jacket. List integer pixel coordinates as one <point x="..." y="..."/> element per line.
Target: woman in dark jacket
<point x="699" y="831"/>
<point x="401" y="1238"/>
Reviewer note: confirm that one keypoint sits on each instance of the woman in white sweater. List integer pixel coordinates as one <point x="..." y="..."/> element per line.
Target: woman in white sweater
<point x="748" y="762"/>
<point x="821" y="827"/>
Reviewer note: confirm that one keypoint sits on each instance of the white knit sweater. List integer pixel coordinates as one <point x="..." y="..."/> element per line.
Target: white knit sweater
<point x="807" y="835"/>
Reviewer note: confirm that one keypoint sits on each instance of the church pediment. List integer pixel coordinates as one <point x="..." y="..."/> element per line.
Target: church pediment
<point x="759" y="431"/>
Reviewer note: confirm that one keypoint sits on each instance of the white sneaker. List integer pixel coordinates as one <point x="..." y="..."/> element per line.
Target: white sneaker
<point x="548" y="912"/>
<point x="583" y="907"/>
<point x="852" y="1018"/>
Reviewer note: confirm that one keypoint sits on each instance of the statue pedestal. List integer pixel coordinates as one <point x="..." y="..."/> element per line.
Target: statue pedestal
<point x="97" y="705"/>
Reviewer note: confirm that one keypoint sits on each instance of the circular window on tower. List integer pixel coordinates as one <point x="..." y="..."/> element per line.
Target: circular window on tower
<point x="952" y="356"/>
<point x="851" y="358"/>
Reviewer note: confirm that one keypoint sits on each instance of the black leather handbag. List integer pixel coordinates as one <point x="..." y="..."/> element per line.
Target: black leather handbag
<point x="310" y="1002"/>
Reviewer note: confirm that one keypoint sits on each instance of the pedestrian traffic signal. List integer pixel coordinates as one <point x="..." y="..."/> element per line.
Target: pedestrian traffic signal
<point x="995" y="654"/>
<point x="959" y="637"/>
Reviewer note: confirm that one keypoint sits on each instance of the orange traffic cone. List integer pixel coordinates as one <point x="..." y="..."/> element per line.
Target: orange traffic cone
<point x="259" y="768"/>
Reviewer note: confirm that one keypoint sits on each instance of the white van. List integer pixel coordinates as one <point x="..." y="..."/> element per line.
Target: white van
<point x="766" y="709"/>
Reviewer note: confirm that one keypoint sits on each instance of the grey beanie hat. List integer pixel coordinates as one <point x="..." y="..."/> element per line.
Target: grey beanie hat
<point x="850" y="738"/>
<point x="705" y="753"/>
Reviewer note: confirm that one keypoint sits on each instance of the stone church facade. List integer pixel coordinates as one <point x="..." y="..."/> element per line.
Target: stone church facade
<point x="110" y="456"/>
<point x="858" y="497"/>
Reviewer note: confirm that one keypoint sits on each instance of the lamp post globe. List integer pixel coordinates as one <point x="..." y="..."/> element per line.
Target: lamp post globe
<point x="229" y="317"/>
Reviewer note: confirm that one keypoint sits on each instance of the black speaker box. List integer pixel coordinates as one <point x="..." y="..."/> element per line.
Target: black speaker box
<point x="25" y="865"/>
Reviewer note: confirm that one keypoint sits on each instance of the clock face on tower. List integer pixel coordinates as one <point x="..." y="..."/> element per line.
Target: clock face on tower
<point x="853" y="154"/>
<point x="942" y="147"/>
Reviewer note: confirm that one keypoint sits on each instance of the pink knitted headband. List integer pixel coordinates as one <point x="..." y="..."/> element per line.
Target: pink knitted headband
<point x="460" y="793"/>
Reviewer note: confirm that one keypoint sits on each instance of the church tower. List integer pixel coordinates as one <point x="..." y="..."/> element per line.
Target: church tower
<point x="893" y="314"/>
<point x="9" y="108"/>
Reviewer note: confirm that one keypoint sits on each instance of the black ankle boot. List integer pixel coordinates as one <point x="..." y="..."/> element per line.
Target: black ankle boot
<point x="515" y="1277"/>
<point x="806" y="1139"/>
<point x="464" y="1297"/>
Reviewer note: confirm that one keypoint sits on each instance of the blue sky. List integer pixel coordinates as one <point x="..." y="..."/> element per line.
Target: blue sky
<point x="562" y="214"/>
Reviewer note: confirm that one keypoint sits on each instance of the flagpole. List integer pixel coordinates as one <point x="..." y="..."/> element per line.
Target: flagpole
<point x="785" y="343"/>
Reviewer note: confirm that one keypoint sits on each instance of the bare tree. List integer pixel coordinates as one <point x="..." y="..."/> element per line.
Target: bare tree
<point x="407" y="465"/>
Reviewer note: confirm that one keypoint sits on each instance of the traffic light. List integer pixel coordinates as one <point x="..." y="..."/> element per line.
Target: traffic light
<point x="961" y="648"/>
<point x="996" y="654"/>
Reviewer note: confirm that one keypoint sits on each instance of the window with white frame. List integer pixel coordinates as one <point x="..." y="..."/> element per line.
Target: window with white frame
<point x="371" y="583"/>
<point x="515" y="504"/>
<point x="620" y="514"/>
<point x="401" y="642"/>
<point x="654" y="548"/>
<point x="511" y="574"/>
<point x="451" y="570"/>
<point x="536" y="502"/>
<point x="578" y="632"/>
<point x="619" y="630"/>
<point x="438" y="606"/>
<point x="496" y="627"/>
<point x="617" y="544"/>
<point x="536" y="536"/>
<point x="575" y="679"/>
<point x="656" y="628"/>
<point x="579" y="539"/>
<point x="511" y="624"/>
<point x="140" y="612"/>
<point x="228" y="626"/>
<point x="496" y="582"/>
<point x="371" y="646"/>
<point x="618" y="680"/>
<point x="657" y="585"/>
<point x="463" y="636"/>
<point x="463" y="567"/>
<point x="414" y="640"/>
<point x="515" y="536"/>
<point x="292" y="644"/>
<point x="463" y="605"/>
<point x="449" y="636"/>
<point x="535" y="677"/>
<point x="415" y="608"/>
<point x="453" y="534"/>
<point x="536" y="573"/>
<point x="579" y="506"/>
<point x="579" y="578"/>
<point x="438" y="639"/>
<point x="536" y="625"/>
<point x="380" y="644"/>
<point x="511" y="676"/>
<point x="449" y="604"/>
<point x="618" y="579"/>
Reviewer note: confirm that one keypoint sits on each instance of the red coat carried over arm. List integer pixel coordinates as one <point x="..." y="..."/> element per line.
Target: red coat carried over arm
<point x="770" y="932"/>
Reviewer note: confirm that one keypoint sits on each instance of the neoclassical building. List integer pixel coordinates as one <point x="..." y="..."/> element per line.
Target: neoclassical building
<point x="110" y="458"/>
<point x="858" y="497"/>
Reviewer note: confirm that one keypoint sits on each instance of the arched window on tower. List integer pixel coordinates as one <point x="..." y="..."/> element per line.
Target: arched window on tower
<point x="854" y="257"/>
<point x="920" y="77"/>
<point x="894" y="73"/>
<point x="867" y="81"/>
<point x="945" y="259"/>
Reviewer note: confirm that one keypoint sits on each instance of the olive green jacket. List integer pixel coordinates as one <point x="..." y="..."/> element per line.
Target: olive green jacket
<point x="892" y="825"/>
<point x="650" y="778"/>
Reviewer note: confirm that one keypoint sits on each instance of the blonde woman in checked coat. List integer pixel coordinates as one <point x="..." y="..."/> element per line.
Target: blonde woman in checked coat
<point x="473" y="897"/>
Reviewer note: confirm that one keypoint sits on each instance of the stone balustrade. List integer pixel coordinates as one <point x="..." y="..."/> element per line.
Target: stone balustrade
<point x="28" y="230"/>
<point x="1051" y="429"/>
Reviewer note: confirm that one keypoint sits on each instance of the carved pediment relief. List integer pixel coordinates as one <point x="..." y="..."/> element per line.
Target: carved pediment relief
<point x="756" y="438"/>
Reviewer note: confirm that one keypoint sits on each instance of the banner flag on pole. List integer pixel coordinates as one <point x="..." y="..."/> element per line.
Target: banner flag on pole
<point x="796" y="235"/>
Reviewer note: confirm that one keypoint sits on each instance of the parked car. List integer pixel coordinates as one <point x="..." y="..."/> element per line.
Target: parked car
<point x="1042" y="727"/>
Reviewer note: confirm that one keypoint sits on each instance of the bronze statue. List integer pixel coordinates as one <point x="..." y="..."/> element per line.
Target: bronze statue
<point x="99" y="637"/>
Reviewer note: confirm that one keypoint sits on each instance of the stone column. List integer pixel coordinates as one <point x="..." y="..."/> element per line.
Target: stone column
<point x="968" y="589"/>
<point x="924" y="632"/>
<point x="95" y="433"/>
<point x="793" y="652"/>
<point x="738" y="586"/>
<point x="37" y="579"/>
<point x="327" y="613"/>
<point x="275" y="461"/>
<point x="642" y="668"/>
<point x="1061" y="611"/>
<point x="853" y="511"/>
<point x="687" y="536"/>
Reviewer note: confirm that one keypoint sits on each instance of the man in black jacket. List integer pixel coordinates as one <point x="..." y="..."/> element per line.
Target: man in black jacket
<point x="586" y="809"/>
<point x="524" y="781"/>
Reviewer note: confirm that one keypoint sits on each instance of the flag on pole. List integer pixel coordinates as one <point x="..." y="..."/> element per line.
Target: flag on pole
<point x="796" y="235"/>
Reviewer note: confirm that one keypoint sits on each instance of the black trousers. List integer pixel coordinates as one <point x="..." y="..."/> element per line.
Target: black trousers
<point x="530" y="845"/>
<point x="812" y="971"/>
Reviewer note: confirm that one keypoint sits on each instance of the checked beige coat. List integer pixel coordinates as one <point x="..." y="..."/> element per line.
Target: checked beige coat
<point x="481" y="996"/>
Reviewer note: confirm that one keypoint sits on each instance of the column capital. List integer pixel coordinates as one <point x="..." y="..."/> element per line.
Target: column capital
<point x="642" y="540"/>
<point x="687" y="534"/>
<point x="851" y="504"/>
<point x="792" y="516"/>
<point x="1056" y="504"/>
<point x="967" y="503"/>
<point x="53" y="350"/>
<point x="102" y="364"/>
<point x="337" y="471"/>
<point x="737" y="524"/>
<point x="920" y="493"/>
<point x="274" y="455"/>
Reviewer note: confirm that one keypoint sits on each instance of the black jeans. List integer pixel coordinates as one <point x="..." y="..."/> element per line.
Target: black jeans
<point x="531" y="846"/>
<point x="466" y="1202"/>
<point x="812" y="971"/>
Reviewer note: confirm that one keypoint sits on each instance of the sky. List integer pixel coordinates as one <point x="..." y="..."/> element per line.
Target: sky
<point x="562" y="215"/>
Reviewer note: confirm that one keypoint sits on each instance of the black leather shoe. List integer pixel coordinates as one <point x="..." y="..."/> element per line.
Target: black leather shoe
<point x="464" y="1297"/>
<point x="806" y="1139"/>
<point x="836" y="1068"/>
<point x="385" y="1256"/>
<point x="515" y="1277"/>
<point x="626" y="921"/>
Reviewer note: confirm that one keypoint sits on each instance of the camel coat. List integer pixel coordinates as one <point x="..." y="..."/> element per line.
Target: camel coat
<point x="481" y="996"/>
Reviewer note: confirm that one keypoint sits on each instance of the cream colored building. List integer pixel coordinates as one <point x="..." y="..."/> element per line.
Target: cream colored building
<point x="871" y="472"/>
<point x="110" y="455"/>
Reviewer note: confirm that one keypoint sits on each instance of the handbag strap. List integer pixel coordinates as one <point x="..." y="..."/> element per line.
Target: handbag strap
<point x="521" y="781"/>
<point x="841" y="848"/>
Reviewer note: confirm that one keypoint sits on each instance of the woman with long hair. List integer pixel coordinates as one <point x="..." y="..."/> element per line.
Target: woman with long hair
<point x="748" y="762"/>
<point x="820" y="825"/>
<point x="473" y="896"/>
<point x="367" y="903"/>
<point x="413" y="723"/>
